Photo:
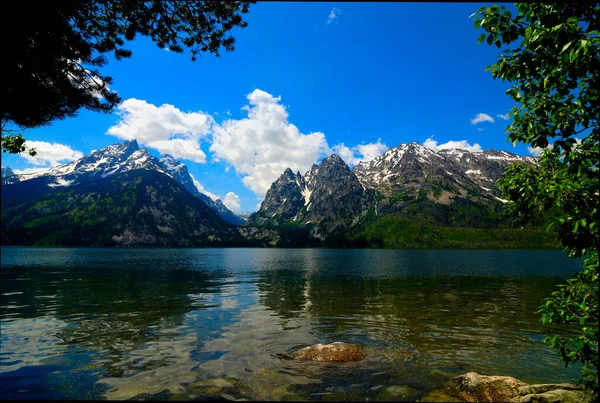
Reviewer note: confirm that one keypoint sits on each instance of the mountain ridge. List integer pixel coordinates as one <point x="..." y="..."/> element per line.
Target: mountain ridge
<point x="118" y="158"/>
<point x="331" y="199"/>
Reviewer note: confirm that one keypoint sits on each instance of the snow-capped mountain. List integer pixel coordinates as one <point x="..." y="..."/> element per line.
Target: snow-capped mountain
<point x="413" y="167"/>
<point x="8" y="175"/>
<point x="116" y="159"/>
<point x="6" y="172"/>
<point x="110" y="160"/>
<point x="180" y="173"/>
<point x="330" y="196"/>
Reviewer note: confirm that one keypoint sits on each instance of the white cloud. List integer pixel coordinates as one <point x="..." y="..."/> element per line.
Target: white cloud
<point x="30" y="170"/>
<point x="333" y="15"/>
<point x="462" y="144"/>
<point x="50" y="154"/>
<point x="361" y="152"/>
<point x="164" y="128"/>
<point x="346" y="153"/>
<point x="233" y="202"/>
<point x="261" y="146"/>
<point x="535" y="151"/>
<point x="482" y="117"/>
<point x="503" y="117"/>
<point x="202" y="190"/>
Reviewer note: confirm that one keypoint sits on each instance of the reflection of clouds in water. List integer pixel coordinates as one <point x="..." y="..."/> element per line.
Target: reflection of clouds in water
<point x="252" y="345"/>
<point x="26" y="342"/>
<point x="253" y="339"/>
<point x="155" y="367"/>
<point x="169" y="363"/>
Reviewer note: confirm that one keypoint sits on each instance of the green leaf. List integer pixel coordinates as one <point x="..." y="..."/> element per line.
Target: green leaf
<point x="566" y="47"/>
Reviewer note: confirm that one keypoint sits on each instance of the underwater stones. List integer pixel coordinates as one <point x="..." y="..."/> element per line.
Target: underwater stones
<point x="439" y="395"/>
<point x="218" y="387"/>
<point x="397" y="393"/>
<point x="334" y="352"/>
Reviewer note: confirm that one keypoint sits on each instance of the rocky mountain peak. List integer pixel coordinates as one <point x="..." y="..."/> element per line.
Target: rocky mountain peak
<point x="333" y="160"/>
<point x="6" y="172"/>
<point x="180" y="173"/>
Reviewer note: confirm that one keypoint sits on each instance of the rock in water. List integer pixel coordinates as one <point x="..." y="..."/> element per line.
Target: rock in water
<point x="480" y="388"/>
<point x="334" y="352"/>
<point x="473" y="387"/>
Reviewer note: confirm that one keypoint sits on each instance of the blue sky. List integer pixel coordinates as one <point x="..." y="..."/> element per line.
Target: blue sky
<point x="353" y="78"/>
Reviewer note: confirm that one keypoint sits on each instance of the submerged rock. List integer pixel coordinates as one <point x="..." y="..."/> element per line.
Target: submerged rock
<point x="219" y="388"/>
<point x="439" y="395"/>
<point x="334" y="352"/>
<point x="472" y="387"/>
<point x="397" y="393"/>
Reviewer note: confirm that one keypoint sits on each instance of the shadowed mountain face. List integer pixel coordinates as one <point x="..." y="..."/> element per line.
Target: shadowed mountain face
<point x="448" y="188"/>
<point x="328" y="198"/>
<point x="108" y="161"/>
<point x="133" y="208"/>
<point x="395" y="200"/>
<point x="180" y="173"/>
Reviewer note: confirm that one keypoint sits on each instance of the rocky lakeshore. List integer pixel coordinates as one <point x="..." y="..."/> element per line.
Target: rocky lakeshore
<point x="469" y="387"/>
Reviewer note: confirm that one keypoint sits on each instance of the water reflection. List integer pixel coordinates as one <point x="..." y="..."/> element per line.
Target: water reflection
<point x="120" y="324"/>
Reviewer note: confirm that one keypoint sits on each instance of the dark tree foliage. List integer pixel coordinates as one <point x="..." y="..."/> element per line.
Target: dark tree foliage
<point x="52" y="51"/>
<point x="551" y="55"/>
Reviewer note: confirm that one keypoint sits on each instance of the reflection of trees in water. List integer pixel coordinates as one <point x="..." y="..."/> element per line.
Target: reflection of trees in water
<point x="109" y="310"/>
<point x="458" y="319"/>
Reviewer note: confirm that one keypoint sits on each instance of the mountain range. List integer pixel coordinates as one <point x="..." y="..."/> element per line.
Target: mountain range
<point x="121" y="195"/>
<point x="409" y="185"/>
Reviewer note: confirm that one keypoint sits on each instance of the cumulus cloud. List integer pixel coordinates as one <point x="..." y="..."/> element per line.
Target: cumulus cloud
<point x="261" y="146"/>
<point x="503" y="117"/>
<point x="26" y="171"/>
<point x="535" y="151"/>
<point x="50" y="154"/>
<point x="233" y="202"/>
<point x="482" y="117"/>
<point x="202" y="190"/>
<point x="163" y="128"/>
<point x="334" y="14"/>
<point x="362" y="152"/>
<point x="462" y="144"/>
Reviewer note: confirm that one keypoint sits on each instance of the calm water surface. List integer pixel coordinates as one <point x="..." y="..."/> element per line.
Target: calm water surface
<point x="158" y="323"/>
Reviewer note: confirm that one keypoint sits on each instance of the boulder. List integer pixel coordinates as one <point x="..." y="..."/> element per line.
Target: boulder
<point x="334" y="352"/>
<point x="472" y="387"/>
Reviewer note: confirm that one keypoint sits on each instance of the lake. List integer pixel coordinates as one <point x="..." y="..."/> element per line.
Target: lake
<point x="83" y="323"/>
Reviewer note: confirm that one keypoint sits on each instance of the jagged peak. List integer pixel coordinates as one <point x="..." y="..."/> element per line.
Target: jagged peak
<point x="453" y="151"/>
<point x="168" y="157"/>
<point x="126" y="147"/>
<point x="6" y="172"/>
<point x="333" y="159"/>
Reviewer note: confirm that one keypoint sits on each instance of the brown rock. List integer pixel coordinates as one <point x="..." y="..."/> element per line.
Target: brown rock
<point x="473" y="387"/>
<point x="334" y="352"/>
<point x="438" y="395"/>
<point x="564" y="395"/>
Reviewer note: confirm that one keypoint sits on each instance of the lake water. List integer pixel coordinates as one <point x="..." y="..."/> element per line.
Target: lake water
<point x="82" y="323"/>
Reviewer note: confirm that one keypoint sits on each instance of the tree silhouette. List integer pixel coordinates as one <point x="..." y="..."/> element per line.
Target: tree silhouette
<point x="52" y="51"/>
